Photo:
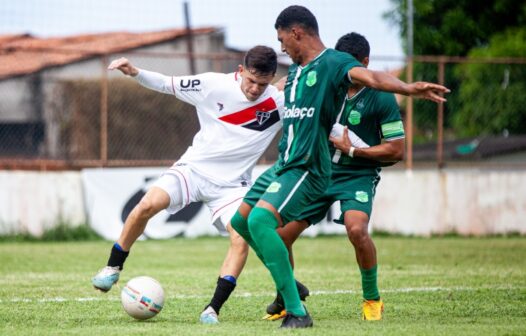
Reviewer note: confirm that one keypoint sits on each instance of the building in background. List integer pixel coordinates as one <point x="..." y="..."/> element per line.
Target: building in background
<point x="38" y="101"/>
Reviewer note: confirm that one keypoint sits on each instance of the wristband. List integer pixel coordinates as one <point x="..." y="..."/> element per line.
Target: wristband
<point x="351" y="151"/>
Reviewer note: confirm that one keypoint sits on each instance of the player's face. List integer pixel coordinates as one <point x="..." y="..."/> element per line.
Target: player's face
<point x="290" y="44"/>
<point x="253" y="85"/>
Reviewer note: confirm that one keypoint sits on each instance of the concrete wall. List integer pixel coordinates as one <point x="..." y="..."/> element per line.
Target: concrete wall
<point x="34" y="201"/>
<point x="423" y="202"/>
<point x="466" y="201"/>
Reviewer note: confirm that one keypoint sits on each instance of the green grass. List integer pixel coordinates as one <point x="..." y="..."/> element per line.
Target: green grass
<point x="437" y="286"/>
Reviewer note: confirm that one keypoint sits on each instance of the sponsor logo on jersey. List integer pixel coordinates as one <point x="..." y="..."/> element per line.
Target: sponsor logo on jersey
<point x="258" y="117"/>
<point x="311" y="78"/>
<point x="361" y="196"/>
<point x="296" y="112"/>
<point x="274" y="187"/>
<point x="360" y="104"/>
<point x="355" y="117"/>
<point x="189" y="85"/>
<point x="220" y="106"/>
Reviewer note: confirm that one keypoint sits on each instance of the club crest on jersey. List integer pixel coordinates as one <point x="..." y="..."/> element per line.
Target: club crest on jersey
<point x="274" y="187"/>
<point x="311" y="78"/>
<point x="361" y="196"/>
<point x="262" y="116"/>
<point x="355" y="117"/>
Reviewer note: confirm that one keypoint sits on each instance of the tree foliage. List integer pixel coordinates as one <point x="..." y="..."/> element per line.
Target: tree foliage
<point x="499" y="89"/>
<point x="480" y="101"/>
<point x="454" y="27"/>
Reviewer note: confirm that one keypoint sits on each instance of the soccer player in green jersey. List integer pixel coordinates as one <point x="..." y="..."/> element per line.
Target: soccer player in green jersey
<point x="316" y="86"/>
<point x="371" y="116"/>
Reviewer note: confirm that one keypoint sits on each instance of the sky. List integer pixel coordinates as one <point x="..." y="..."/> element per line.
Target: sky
<point x="246" y="23"/>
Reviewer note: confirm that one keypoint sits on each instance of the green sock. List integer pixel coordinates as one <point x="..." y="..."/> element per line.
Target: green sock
<point x="262" y="225"/>
<point x="369" y="283"/>
<point x="240" y="224"/>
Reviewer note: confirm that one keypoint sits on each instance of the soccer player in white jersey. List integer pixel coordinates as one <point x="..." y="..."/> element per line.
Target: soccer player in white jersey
<point x="239" y="114"/>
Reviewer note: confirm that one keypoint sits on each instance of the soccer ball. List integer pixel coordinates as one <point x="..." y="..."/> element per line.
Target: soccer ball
<point x="142" y="297"/>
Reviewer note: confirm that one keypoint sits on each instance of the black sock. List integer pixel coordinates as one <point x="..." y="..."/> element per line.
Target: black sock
<point x="223" y="290"/>
<point x="118" y="256"/>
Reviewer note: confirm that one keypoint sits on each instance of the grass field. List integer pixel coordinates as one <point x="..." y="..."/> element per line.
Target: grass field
<point x="437" y="286"/>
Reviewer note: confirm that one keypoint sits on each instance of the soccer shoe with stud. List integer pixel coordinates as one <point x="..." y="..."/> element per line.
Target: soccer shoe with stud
<point x="372" y="310"/>
<point x="276" y="310"/>
<point x="293" y="321"/>
<point x="209" y="316"/>
<point x="106" y="278"/>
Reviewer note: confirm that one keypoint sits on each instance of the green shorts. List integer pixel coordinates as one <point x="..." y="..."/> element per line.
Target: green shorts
<point x="289" y="192"/>
<point x="355" y="191"/>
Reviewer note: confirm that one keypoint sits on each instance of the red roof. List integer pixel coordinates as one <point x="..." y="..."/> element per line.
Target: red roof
<point x="23" y="54"/>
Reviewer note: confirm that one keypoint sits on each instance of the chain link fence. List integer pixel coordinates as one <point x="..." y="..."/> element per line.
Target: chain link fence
<point x="482" y="121"/>
<point x="84" y="116"/>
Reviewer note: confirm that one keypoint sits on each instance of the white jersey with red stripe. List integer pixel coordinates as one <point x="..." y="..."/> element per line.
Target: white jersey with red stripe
<point x="234" y="131"/>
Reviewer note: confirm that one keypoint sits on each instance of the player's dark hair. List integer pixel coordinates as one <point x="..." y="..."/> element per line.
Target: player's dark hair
<point x="354" y="44"/>
<point x="261" y="60"/>
<point x="297" y="15"/>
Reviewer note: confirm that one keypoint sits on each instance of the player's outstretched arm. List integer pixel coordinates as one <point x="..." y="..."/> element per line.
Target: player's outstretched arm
<point x="149" y="79"/>
<point x="386" y="82"/>
<point x="124" y="65"/>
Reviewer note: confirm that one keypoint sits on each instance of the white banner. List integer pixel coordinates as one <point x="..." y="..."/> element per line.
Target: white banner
<point x="111" y="193"/>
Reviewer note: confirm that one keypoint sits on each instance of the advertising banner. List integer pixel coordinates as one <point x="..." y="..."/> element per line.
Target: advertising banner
<point x="111" y="193"/>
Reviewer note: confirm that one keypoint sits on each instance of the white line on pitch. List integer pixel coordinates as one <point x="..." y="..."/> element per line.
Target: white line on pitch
<point x="246" y="294"/>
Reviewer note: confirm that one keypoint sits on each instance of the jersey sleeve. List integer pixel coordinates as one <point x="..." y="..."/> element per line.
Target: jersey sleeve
<point x="390" y="118"/>
<point x="343" y="62"/>
<point x="193" y="89"/>
<point x="190" y="89"/>
<point x="155" y="81"/>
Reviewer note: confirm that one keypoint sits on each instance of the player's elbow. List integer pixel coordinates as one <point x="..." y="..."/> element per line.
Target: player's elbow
<point x="397" y="154"/>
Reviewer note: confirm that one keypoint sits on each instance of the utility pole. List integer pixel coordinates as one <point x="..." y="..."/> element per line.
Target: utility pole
<point x="409" y="73"/>
<point x="189" y="38"/>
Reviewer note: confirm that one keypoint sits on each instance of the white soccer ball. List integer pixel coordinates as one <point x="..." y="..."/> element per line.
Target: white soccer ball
<point x="142" y="297"/>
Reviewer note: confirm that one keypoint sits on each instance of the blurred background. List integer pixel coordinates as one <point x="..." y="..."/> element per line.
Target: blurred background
<point x="55" y="92"/>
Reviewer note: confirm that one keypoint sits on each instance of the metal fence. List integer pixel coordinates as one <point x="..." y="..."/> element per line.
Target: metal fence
<point x="83" y="116"/>
<point x="481" y="124"/>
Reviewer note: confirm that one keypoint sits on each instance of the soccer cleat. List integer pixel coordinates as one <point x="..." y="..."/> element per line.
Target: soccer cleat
<point x="209" y="316"/>
<point x="372" y="310"/>
<point x="293" y="321"/>
<point x="276" y="309"/>
<point x="106" y="278"/>
<point x="274" y="317"/>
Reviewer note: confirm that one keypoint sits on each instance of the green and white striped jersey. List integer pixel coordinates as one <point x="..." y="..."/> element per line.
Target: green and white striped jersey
<point x="313" y="95"/>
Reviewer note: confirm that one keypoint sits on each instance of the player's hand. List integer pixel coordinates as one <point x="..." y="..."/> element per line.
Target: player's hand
<point x="124" y="65"/>
<point x="429" y="91"/>
<point x="342" y="143"/>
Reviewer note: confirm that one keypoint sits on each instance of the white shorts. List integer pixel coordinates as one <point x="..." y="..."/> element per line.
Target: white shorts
<point x="185" y="186"/>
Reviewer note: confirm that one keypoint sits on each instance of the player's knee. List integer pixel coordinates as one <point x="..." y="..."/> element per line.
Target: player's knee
<point x="260" y="221"/>
<point x="145" y="209"/>
<point x="239" y="223"/>
<point x="357" y="233"/>
<point x="237" y="243"/>
<point x="290" y="232"/>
